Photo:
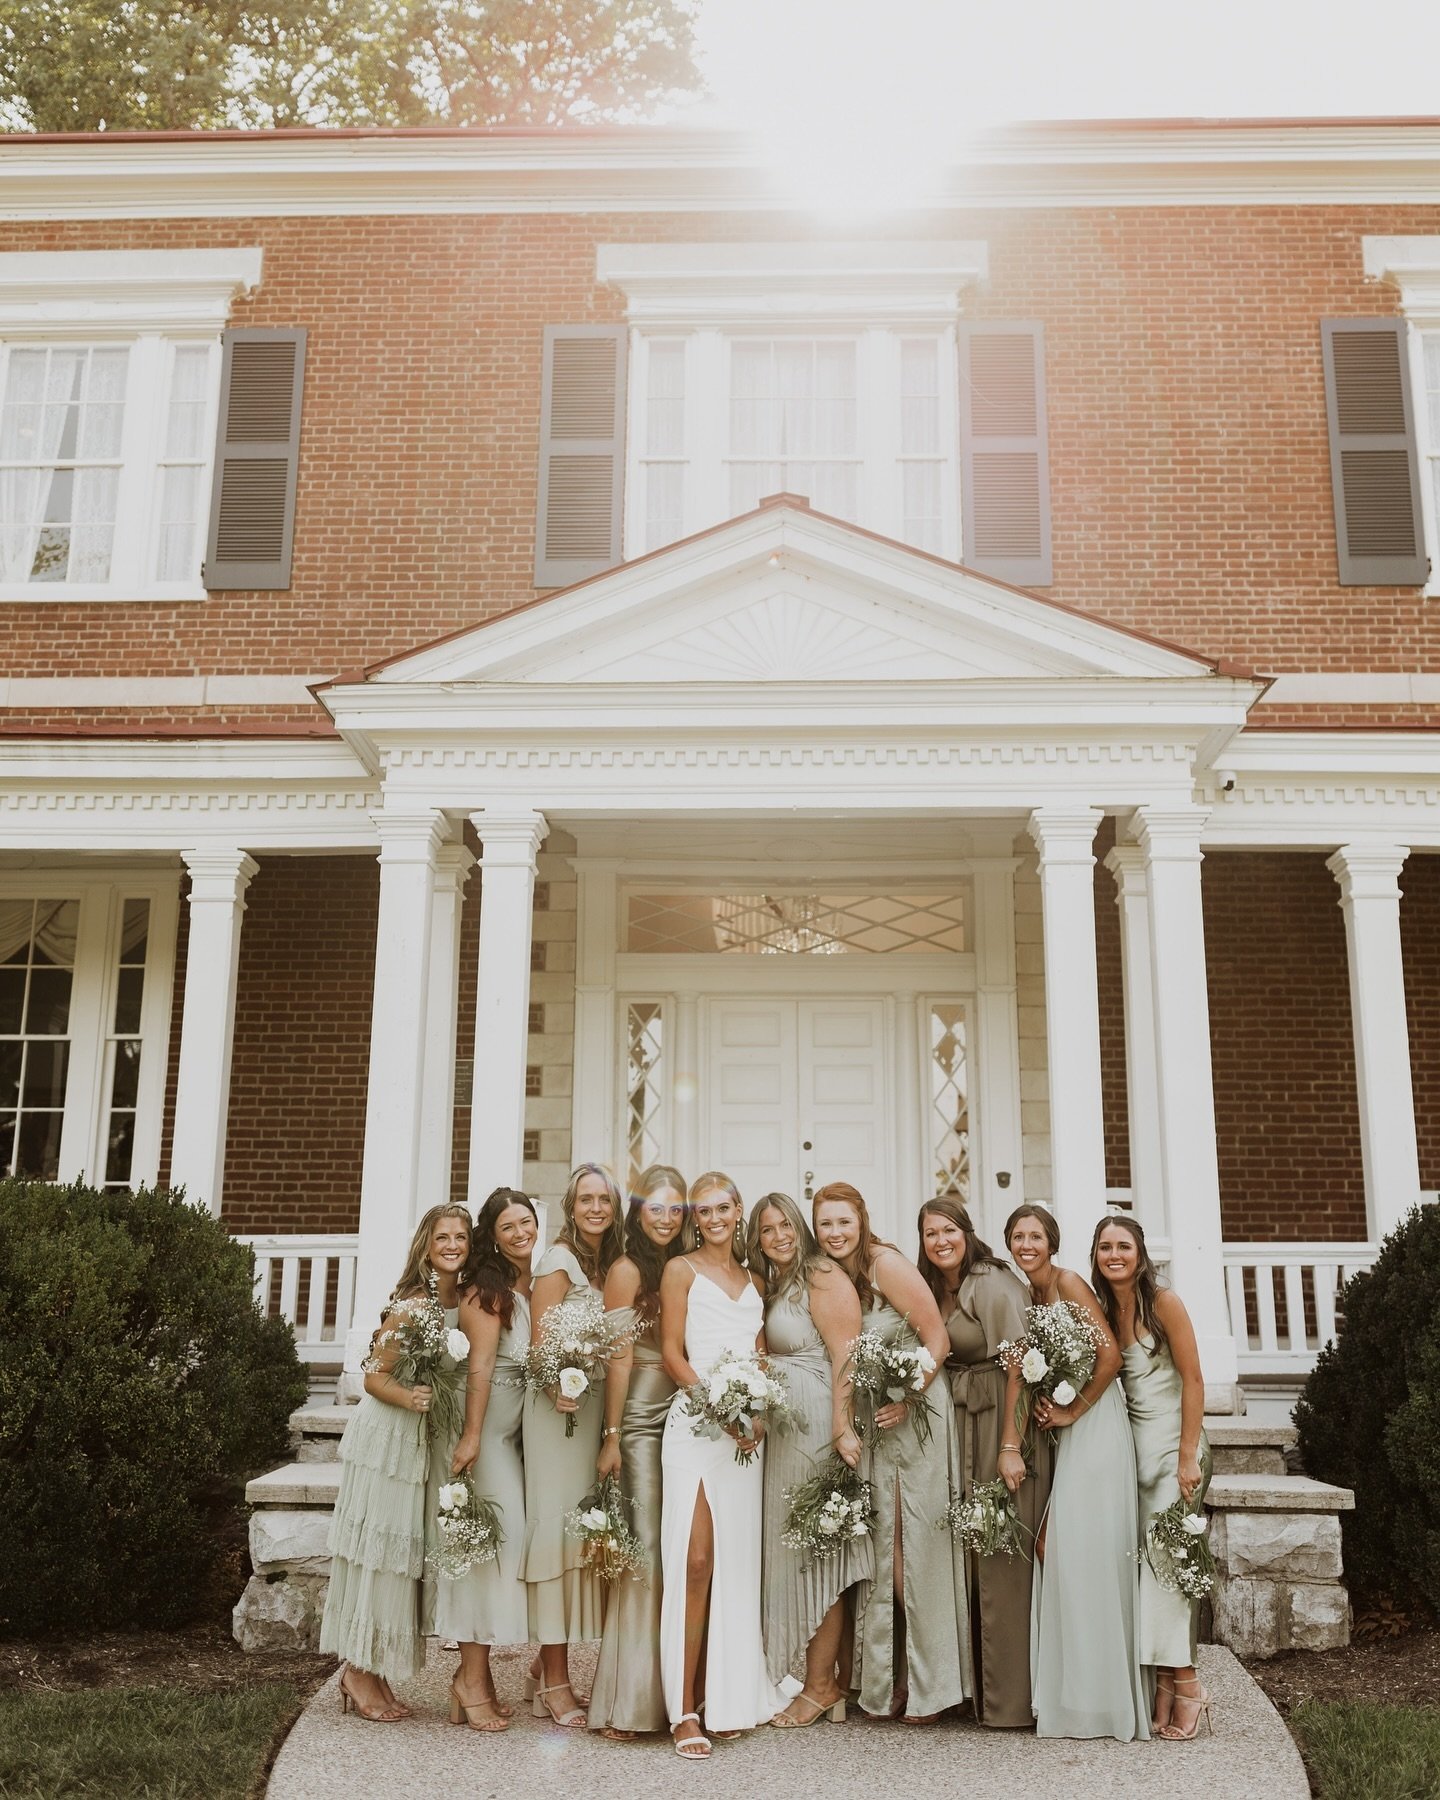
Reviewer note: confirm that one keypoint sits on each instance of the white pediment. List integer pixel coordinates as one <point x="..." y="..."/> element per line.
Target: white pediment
<point x="784" y="595"/>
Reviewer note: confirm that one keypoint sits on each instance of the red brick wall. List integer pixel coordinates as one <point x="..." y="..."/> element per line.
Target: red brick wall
<point x="1420" y="938"/>
<point x="1190" y="469"/>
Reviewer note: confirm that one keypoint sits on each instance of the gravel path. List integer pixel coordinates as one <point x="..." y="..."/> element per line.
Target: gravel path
<point x="327" y="1757"/>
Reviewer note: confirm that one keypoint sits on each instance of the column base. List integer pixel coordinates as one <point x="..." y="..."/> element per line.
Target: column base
<point x="1220" y="1364"/>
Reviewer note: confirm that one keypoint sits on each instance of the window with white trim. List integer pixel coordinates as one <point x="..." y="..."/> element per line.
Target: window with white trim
<point x="1427" y="410"/>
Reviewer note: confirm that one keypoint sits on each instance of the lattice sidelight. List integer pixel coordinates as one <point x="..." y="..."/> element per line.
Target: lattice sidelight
<point x="949" y="1100"/>
<point x="793" y="924"/>
<point x="644" y="1093"/>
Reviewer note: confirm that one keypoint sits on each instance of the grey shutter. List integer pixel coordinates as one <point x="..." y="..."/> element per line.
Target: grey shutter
<point x="1004" y="453"/>
<point x="257" y="456"/>
<point x="1374" y="465"/>
<point x="582" y="453"/>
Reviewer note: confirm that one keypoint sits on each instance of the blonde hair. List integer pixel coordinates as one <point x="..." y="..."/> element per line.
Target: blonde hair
<point x="595" y="1263"/>
<point x="808" y="1254"/>
<point x="715" y="1181"/>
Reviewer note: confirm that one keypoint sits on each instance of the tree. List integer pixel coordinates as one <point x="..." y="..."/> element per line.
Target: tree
<point x="128" y="65"/>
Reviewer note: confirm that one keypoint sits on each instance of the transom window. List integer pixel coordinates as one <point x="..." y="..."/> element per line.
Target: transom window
<point x="794" y="924"/>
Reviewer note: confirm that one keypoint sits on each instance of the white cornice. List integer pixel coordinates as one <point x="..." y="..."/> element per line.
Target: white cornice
<point x="69" y="292"/>
<point x="1413" y="264"/>
<point x="685" y="170"/>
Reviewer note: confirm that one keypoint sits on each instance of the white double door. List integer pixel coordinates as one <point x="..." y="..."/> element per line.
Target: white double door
<point x="796" y="1093"/>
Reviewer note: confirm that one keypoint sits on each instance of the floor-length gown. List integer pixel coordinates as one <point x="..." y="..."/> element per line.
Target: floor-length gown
<point x="487" y="1605"/>
<point x="1084" y="1648"/>
<point x="442" y="1448"/>
<point x="913" y="1483"/>
<point x="989" y="1308"/>
<point x="797" y="1598"/>
<point x="1153" y="1392"/>
<point x="738" y="1691"/>
<point x="627" y="1693"/>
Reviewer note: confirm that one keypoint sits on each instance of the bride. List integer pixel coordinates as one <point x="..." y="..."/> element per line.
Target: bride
<point x="711" y="1658"/>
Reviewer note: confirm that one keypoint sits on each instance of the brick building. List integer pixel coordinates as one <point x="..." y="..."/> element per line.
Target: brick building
<point x="524" y="647"/>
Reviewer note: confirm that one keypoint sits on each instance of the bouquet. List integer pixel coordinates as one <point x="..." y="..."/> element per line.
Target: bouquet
<point x="609" y="1546"/>
<point x="1056" y="1357"/>
<point x="835" y="1504"/>
<point x="987" y="1524"/>
<point x="737" y="1391"/>
<point x="418" y="1330"/>
<point x="576" y="1339"/>
<point x="884" y="1371"/>
<point x="470" y="1531"/>
<point x="1177" y="1552"/>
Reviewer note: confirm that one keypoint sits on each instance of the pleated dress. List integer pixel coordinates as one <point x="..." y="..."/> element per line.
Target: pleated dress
<point x="794" y="1599"/>
<point x="1169" y="1623"/>
<point x="627" y="1692"/>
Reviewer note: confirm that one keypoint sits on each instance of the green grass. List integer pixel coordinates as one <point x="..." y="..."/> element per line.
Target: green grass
<point x="139" y="1743"/>
<point x="1361" y="1752"/>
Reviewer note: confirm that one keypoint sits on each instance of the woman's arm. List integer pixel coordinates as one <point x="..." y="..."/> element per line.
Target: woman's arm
<point x="1186" y="1352"/>
<point x="1108" y="1360"/>
<point x="383" y="1385"/>
<point x="482" y="1329"/>
<point x="674" y="1306"/>
<point x="622" y="1285"/>
<point x="835" y="1308"/>
<point x="906" y="1289"/>
<point x="1010" y="1463"/>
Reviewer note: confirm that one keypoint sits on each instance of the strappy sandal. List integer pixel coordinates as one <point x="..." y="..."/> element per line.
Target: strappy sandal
<point x="1163" y="1688"/>
<point x="377" y="1715"/>
<point x="573" y="1719"/>
<point x="617" y="1734"/>
<point x="833" y="1710"/>
<point x="691" y="1749"/>
<point x="460" y="1711"/>
<point x="1200" y="1701"/>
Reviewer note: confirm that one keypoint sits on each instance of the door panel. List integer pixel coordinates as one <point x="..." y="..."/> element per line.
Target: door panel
<point x="844" y="1101"/>
<point x="750" y="1089"/>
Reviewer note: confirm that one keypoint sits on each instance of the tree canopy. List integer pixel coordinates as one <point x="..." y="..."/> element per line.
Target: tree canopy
<point x="129" y="65"/>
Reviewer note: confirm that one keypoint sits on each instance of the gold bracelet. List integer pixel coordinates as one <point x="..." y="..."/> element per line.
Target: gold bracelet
<point x="612" y="1431"/>
<point x="1014" y="1447"/>
<point x="1082" y="1401"/>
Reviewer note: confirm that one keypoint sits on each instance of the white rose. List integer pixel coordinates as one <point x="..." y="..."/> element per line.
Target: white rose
<point x="1064" y="1393"/>
<point x="1194" y="1523"/>
<point x="573" y="1383"/>
<point x="828" y="1525"/>
<point x="925" y="1359"/>
<point x="594" y="1519"/>
<point x="1034" y="1367"/>
<point x="452" y="1494"/>
<point x="457" y="1344"/>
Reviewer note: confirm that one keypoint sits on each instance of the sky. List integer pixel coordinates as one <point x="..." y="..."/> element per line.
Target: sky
<point x="837" y="88"/>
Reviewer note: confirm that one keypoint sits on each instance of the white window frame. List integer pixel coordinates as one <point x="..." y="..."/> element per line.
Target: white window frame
<point x="1427" y="449"/>
<point x="1413" y="264"/>
<point x="102" y="896"/>
<point x="150" y="302"/>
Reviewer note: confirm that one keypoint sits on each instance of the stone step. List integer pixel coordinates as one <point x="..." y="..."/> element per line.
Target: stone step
<point x="1277" y="1493"/>
<point x="296" y="1485"/>
<point x="1246" y="1446"/>
<point x="317" y="1431"/>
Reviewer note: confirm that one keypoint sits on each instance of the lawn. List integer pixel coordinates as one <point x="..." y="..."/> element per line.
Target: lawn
<point x="142" y="1743"/>
<point x="1357" y="1751"/>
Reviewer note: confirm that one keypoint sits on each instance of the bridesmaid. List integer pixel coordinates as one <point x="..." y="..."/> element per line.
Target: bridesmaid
<point x="377" y="1537"/>
<point x="566" y="1605"/>
<point x="1084" y="1652"/>
<point x="812" y="1316"/>
<point x="487" y="1605"/>
<point x="628" y="1697"/>
<point x="982" y="1303"/>
<point x="912" y="1635"/>
<point x="1165" y="1392"/>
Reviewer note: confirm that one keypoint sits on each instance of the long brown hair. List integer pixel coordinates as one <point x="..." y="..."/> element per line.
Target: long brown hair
<point x="808" y="1255"/>
<point x="978" y="1254"/>
<point x="419" y="1276"/>
<point x="489" y="1273"/>
<point x="595" y="1263"/>
<point x="1147" y="1283"/>
<point x="843" y="1194"/>
<point x="649" y="1257"/>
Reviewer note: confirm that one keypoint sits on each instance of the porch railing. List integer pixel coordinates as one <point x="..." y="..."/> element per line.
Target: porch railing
<point x="310" y="1282"/>
<point x="1283" y="1301"/>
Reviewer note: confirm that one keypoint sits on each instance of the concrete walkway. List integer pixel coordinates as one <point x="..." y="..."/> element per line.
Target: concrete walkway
<point x="327" y="1757"/>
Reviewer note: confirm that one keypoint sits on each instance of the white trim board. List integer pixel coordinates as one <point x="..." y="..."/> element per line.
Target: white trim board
<point x="125" y="691"/>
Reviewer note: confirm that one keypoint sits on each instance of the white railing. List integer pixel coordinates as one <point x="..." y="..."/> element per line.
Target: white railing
<point x="321" y="1269"/>
<point x="1299" y="1282"/>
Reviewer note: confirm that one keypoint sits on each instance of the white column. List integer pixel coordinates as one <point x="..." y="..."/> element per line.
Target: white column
<point x="1370" y="900"/>
<point x="409" y="845"/>
<point x="1184" y="1083"/>
<point x="685" y="1086"/>
<point x="594" y="1110"/>
<point x="994" y="1068"/>
<point x="1126" y="862"/>
<point x="218" y="880"/>
<point x="453" y="863"/>
<point x="915" y="1176"/>
<point x="1065" y="839"/>
<point x="509" y="842"/>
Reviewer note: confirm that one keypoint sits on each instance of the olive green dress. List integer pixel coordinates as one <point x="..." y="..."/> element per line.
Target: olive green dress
<point x="566" y="1605"/>
<point x="989" y="1308"/>
<point x="1153" y="1391"/>
<point x="929" y="1655"/>
<point x="794" y="1599"/>
<point x="487" y="1605"/>
<point x="627" y="1692"/>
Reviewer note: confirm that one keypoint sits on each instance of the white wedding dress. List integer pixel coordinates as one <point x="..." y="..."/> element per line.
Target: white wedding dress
<point x="738" y="1693"/>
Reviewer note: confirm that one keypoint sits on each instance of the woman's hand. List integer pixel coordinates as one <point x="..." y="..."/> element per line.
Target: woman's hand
<point x="466" y="1452"/>
<point x="890" y="1415"/>
<point x="560" y="1403"/>
<point x="419" y="1399"/>
<point x="1010" y="1467"/>
<point x="608" y="1461"/>
<point x="1054" y="1417"/>
<point x="1187" y="1475"/>
<point x="847" y="1448"/>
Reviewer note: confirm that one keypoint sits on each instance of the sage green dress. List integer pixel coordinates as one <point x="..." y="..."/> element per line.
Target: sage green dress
<point x="566" y="1604"/>
<point x="377" y="1543"/>
<point x="928" y="1652"/>
<point x="1169" y="1623"/>
<point x="627" y="1692"/>
<point x="1085" y="1674"/>
<point x="989" y="1308"/>
<point x="794" y="1599"/>
<point x="487" y="1605"/>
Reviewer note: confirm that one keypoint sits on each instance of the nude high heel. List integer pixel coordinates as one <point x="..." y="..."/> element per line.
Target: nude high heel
<point x="1200" y="1701"/>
